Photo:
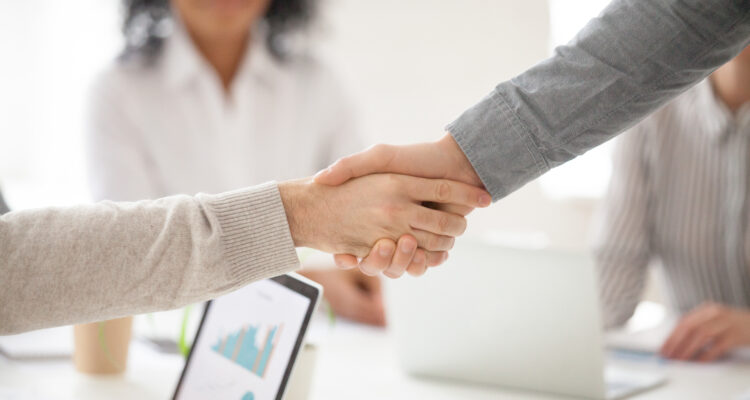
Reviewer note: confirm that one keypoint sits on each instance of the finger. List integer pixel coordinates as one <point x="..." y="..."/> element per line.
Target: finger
<point x="450" y="208"/>
<point x="351" y="303"/>
<point x="405" y="249"/>
<point x="686" y="327"/>
<point x="701" y="338"/>
<point x="375" y="159"/>
<point x="367" y="310"/>
<point x="432" y="242"/>
<point x="419" y="264"/>
<point x="370" y="284"/>
<point x="345" y="261"/>
<point x="719" y="348"/>
<point x="435" y="258"/>
<point x="447" y="192"/>
<point x="417" y="261"/>
<point x="437" y="222"/>
<point x="379" y="257"/>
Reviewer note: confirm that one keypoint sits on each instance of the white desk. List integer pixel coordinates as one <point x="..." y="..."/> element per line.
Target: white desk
<point x="353" y="362"/>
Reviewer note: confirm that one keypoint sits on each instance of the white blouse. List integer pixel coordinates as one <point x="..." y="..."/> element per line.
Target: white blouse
<point x="170" y="127"/>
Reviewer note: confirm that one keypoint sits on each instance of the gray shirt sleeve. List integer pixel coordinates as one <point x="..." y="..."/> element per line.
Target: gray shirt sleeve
<point x="60" y="266"/>
<point x="623" y="65"/>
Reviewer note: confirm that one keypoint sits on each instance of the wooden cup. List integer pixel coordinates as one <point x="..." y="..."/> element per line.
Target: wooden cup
<point x="102" y="347"/>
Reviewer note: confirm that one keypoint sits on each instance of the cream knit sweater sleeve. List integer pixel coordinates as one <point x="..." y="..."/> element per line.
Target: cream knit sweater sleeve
<point x="61" y="266"/>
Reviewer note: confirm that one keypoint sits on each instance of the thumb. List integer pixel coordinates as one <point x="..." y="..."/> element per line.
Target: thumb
<point x="370" y="161"/>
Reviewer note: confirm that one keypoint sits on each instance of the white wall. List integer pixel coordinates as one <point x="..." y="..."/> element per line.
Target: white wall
<point x="50" y="51"/>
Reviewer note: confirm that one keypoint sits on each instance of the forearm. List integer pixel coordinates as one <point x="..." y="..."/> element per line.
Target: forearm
<point x="621" y="66"/>
<point x="94" y="262"/>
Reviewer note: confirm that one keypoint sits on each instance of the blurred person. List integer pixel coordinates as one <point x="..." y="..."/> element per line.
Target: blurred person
<point x="679" y="196"/>
<point x="213" y="95"/>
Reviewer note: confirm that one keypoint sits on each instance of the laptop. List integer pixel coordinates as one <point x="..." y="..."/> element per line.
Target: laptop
<point x="512" y="317"/>
<point x="248" y="341"/>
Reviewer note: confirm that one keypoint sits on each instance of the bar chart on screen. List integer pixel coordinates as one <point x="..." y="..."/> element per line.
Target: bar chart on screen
<point x="251" y="347"/>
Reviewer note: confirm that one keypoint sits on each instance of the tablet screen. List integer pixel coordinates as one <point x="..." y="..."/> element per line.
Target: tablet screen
<point x="246" y="341"/>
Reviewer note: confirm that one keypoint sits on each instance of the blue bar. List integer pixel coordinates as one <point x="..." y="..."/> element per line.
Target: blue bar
<point x="248" y="351"/>
<point x="266" y="352"/>
<point x="231" y="342"/>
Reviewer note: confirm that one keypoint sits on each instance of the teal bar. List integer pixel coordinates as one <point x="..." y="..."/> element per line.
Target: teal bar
<point x="248" y="396"/>
<point x="217" y="346"/>
<point x="231" y="342"/>
<point x="266" y="352"/>
<point x="248" y="351"/>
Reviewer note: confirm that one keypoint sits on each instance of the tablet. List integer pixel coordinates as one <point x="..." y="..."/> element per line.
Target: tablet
<point x="248" y="341"/>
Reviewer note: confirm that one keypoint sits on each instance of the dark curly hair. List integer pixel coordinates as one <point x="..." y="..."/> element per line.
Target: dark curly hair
<point x="148" y="22"/>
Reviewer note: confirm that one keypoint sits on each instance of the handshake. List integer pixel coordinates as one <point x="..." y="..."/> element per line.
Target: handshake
<point x="397" y="208"/>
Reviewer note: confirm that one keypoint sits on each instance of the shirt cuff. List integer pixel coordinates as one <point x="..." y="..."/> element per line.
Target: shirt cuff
<point x="499" y="146"/>
<point x="254" y="232"/>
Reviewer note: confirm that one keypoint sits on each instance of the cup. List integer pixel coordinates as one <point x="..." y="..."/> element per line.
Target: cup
<point x="102" y="347"/>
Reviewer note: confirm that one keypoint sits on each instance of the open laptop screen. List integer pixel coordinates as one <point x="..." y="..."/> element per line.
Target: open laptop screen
<point x="247" y="342"/>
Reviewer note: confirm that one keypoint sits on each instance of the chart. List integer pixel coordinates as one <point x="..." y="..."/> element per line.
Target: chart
<point x="251" y="347"/>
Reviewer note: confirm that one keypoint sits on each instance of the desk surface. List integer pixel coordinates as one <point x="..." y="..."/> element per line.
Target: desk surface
<point x="353" y="362"/>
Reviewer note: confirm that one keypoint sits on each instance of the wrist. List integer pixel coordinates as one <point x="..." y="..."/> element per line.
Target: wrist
<point x="295" y="196"/>
<point x="466" y="173"/>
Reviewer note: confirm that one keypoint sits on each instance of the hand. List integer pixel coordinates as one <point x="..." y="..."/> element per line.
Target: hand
<point x="351" y="294"/>
<point x="351" y="217"/>
<point x="442" y="159"/>
<point x="707" y="333"/>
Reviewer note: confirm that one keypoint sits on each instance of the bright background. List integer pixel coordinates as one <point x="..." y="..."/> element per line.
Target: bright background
<point x="414" y="66"/>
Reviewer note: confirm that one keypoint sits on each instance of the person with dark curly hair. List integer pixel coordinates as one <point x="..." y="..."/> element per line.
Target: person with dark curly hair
<point x="208" y="96"/>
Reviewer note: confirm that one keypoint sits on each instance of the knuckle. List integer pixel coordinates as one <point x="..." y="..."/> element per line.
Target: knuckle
<point x="442" y="192"/>
<point x="343" y="162"/>
<point x="379" y="148"/>
<point x="391" y="211"/>
<point x="433" y="242"/>
<point x="714" y="310"/>
<point x="444" y="223"/>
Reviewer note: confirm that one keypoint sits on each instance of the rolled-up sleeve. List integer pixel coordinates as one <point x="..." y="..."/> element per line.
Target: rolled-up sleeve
<point x="623" y="65"/>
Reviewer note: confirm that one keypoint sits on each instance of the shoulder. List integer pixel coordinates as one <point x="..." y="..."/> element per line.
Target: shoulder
<point x="123" y="78"/>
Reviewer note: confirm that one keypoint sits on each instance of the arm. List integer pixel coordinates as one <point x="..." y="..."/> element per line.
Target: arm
<point x="622" y="66"/>
<point x="101" y="261"/>
<point x="623" y="235"/>
<point x="95" y="262"/>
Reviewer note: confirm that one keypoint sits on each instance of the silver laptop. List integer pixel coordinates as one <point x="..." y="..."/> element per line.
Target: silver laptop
<point x="525" y="319"/>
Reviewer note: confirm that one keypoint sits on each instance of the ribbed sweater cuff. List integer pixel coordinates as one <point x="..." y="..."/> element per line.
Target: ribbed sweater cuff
<point x="255" y="233"/>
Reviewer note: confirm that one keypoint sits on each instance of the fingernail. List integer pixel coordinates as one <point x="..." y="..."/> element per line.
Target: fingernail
<point x="385" y="250"/>
<point x="484" y="200"/>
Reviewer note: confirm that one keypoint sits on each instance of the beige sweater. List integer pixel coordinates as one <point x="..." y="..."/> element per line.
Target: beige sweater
<point x="60" y="266"/>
